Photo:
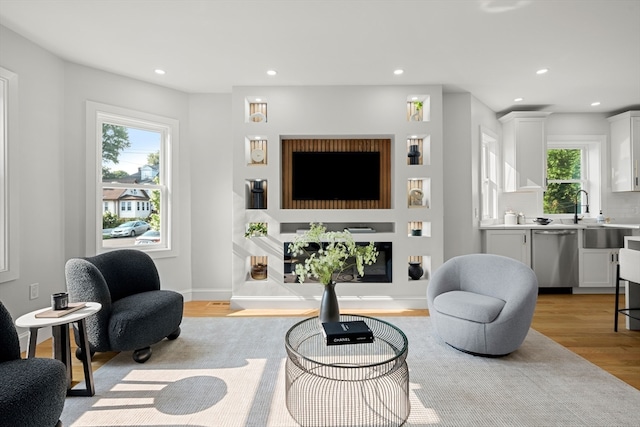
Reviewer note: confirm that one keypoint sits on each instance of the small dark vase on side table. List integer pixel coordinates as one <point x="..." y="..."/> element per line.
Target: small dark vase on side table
<point x="329" y="309"/>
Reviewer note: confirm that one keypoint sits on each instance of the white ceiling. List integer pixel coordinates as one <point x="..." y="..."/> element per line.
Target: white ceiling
<point x="491" y="48"/>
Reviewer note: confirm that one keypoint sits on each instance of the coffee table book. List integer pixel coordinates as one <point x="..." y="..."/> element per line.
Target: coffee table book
<point x="353" y="332"/>
<point x="51" y="313"/>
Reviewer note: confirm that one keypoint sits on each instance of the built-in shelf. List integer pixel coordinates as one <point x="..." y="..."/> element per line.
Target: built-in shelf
<point x="419" y="229"/>
<point x="363" y="227"/>
<point x="256" y="150"/>
<point x="255" y="109"/>
<point x="418" y="192"/>
<point x="418" y="108"/>
<point x="256" y="194"/>
<point x="258" y="267"/>
<point x="424" y="263"/>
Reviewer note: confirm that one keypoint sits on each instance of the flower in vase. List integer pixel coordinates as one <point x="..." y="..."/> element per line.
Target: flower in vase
<point x="337" y="252"/>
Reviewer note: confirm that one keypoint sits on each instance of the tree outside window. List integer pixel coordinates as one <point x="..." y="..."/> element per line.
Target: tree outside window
<point x="565" y="178"/>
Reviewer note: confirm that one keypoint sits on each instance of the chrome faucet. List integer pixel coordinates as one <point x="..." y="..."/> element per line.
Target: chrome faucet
<point x="575" y="215"/>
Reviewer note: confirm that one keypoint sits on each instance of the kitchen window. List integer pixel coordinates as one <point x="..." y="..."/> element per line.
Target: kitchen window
<point x="489" y="175"/>
<point x="573" y="176"/>
<point x="132" y="159"/>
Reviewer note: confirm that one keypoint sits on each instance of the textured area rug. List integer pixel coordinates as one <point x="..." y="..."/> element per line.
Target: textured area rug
<point x="231" y="372"/>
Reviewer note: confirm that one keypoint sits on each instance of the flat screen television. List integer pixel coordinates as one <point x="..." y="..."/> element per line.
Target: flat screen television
<point x="335" y="175"/>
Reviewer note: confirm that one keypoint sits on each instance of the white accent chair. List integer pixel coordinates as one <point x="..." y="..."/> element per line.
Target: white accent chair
<point x="482" y="304"/>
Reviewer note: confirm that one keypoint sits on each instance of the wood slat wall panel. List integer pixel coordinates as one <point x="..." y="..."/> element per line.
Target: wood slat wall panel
<point x="383" y="146"/>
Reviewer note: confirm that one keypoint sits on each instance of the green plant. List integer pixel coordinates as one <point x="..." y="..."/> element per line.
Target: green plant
<point x="256" y="229"/>
<point x="418" y="105"/>
<point x="337" y="252"/>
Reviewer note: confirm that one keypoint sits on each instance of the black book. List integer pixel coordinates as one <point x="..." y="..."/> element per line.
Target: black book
<point x="354" y="332"/>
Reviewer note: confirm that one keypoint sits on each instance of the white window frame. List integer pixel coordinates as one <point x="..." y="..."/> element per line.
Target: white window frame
<point x="97" y="114"/>
<point x="592" y="168"/>
<point x="489" y="176"/>
<point x="9" y="219"/>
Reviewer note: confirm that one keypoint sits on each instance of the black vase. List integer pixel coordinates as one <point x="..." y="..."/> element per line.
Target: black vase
<point x="414" y="155"/>
<point x="415" y="270"/>
<point x="329" y="309"/>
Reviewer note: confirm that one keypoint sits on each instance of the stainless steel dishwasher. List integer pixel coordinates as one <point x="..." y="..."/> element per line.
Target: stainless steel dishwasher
<point x="555" y="258"/>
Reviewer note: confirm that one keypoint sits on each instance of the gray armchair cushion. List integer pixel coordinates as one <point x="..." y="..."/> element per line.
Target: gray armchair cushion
<point x="465" y="296"/>
<point x="32" y="391"/>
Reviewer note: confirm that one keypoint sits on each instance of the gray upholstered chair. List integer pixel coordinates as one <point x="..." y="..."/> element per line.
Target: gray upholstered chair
<point x="135" y="313"/>
<point x="482" y="304"/>
<point x="32" y="391"/>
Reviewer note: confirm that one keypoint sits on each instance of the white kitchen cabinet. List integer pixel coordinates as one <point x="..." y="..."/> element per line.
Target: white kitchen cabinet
<point x="625" y="151"/>
<point x="524" y="150"/>
<point x="598" y="268"/>
<point x="514" y="244"/>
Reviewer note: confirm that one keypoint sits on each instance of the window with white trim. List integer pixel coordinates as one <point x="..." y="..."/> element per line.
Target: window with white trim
<point x="9" y="262"/>
<point x="488" y="175"/>
<point x="133" y="156"/>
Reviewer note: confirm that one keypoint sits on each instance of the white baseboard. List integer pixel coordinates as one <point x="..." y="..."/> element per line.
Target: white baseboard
<point x="368" y="303"/>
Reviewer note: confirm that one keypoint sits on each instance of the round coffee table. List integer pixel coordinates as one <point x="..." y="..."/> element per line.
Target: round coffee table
<point x="364" y="384"/>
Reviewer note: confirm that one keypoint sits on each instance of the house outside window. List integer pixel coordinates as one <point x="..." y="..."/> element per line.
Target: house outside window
<point x="132" y="161"/>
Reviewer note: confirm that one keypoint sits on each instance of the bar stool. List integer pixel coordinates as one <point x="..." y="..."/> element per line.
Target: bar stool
<point x="628" y="269"/>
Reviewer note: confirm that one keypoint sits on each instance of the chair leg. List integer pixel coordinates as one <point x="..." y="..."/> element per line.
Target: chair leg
<point x="175" y="334"/>
<point x="142" y="354"/>
<point x="615" y="313"/>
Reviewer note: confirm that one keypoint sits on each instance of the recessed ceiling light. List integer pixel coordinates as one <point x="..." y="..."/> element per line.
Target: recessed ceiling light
<point x="272" y="72"/>
<point x="398" y="71"/>
<point x="159" y="71"/>
<point x="518" y="100"/>
<point x="595" y="104"/>
<point x="542" y="71"/>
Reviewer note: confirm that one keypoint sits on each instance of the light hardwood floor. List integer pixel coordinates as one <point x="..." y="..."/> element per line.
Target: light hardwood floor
<point x="581" y="323"/>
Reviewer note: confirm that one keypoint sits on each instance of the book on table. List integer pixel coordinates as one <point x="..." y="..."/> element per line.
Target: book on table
<point x="352" y="332"/>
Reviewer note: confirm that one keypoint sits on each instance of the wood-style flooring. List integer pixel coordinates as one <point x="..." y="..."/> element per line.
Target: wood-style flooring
<point x="581" y="323"/>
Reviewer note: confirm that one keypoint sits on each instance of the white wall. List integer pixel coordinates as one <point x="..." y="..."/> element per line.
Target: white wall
<point x="211" y="170"/>
<point x="463" y="117"/>
<point x="40" y="166"/>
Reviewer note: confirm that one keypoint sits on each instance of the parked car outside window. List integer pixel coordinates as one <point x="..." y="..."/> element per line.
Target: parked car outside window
<point x="130" y="229"/>
<point x="148" y="238"/>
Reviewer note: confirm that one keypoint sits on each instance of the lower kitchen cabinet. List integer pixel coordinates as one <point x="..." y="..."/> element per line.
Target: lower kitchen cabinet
<point x="514" y="244"/>
<point x="598" y="268"/>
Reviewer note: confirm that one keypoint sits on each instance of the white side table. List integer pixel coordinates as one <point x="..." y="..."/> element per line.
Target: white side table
<point x="61" y="342"/>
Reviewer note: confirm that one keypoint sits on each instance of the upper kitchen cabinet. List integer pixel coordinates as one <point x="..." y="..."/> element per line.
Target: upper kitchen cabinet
<point x="524" y="150"/>
<point x="625" y="151"/>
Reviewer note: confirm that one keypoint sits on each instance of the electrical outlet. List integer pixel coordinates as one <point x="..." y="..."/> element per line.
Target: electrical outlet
<point x="34" y="291"/>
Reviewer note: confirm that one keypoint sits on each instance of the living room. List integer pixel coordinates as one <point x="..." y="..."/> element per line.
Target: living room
<point x="52" y="214"/>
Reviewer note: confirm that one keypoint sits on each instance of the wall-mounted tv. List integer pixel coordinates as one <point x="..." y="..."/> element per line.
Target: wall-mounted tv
<point x="335" y="175"/>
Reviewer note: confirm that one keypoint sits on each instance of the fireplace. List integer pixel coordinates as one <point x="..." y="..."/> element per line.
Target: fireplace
<point x="378" y="272"/>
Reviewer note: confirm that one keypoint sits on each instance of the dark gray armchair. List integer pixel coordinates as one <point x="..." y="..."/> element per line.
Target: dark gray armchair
<point x="32" y="391"/>
<point x="135" y="313"/>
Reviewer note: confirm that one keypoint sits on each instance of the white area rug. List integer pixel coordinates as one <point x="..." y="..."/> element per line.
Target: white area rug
<point x="230" y="372"/>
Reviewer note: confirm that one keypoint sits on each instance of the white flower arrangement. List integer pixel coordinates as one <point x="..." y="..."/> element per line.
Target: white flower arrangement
<point x="338" y="252"/>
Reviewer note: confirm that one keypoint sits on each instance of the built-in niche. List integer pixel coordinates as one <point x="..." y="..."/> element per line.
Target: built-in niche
<point x="336" y="173"/>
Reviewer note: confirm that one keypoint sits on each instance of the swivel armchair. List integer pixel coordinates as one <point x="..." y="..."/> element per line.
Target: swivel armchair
<point x="135" y="313"/>
<point x="482" y="304"/>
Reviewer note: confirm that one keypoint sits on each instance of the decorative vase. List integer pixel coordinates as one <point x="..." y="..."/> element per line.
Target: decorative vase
<point x="329" y="309"/>
<point x="413" y="154"/>
<point x="259" y="272"/>
<point x="415" y="270"/>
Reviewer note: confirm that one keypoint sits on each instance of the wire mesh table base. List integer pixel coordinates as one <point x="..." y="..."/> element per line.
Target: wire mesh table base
<point x="350" y="384"/>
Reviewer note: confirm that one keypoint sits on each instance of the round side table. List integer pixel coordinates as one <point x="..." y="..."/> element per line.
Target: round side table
<point x="61" y="342"/>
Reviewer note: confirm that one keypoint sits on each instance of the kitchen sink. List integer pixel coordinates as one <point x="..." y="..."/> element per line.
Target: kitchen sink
<point x="604" y="237"/>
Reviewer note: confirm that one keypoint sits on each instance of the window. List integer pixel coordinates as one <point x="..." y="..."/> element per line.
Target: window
<point x="573" y="175"/>
<point x="9" y="263"/>
<point x="132" y="162"/>
<point x="489" y="175"/>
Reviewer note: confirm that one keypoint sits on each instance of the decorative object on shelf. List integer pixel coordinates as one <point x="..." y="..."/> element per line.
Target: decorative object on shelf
<point x="338" y="253"/>
<point x="415" y="197"/>
<point x="417" y="115"/>
<point x="259" y="271"/>
<point x="329" y="308"/>
<point x="257" y="156"/>
<point x="256" y="229"/>
<point x="416" y="232"/>
<point x="414" y="154"/>
<point x="415" y="270"/>
<point x="258" y="117"/>
<point x="257" y="195"/>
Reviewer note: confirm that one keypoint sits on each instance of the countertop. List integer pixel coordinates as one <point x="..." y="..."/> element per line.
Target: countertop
<point x="554" y="224"/>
